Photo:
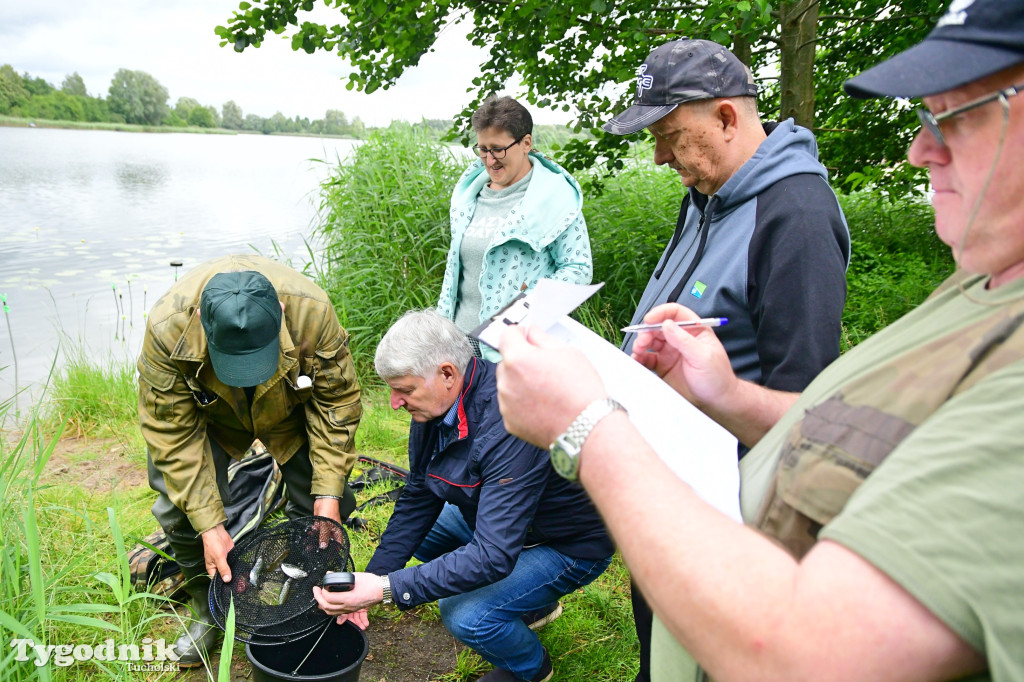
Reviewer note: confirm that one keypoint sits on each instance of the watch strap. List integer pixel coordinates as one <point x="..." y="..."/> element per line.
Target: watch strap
<point x="385" y="583"/>
<point x="586" y="421"/>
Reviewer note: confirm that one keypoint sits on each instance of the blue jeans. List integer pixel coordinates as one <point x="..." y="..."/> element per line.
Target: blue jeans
<point x="488" y="618"/>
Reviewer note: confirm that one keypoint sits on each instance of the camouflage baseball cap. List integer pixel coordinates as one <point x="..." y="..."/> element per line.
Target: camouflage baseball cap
<point x="241" y="316"/>
<point x="678" y="72"/>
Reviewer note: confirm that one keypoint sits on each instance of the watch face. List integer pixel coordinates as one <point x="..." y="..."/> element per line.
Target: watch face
<point x="564" y="463"/>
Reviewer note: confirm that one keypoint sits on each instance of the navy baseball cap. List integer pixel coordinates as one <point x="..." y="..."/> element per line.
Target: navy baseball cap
<point x="678" y="72"/>
<point x="972" y="40"/>
<point x="241" y="316"/>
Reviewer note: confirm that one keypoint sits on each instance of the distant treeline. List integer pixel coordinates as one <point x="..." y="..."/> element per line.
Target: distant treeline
<point x="138" y="98"/>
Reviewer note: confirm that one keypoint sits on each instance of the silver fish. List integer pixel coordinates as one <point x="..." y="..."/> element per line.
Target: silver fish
<point x="254" y="574"/>
<point x="284" y="591"/>
<point x="293" y="571"/>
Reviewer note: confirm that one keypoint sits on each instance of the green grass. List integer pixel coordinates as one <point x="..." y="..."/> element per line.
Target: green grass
<point x="18" y="122"/>
<point x="95" y="399"/>
<point x="63" y="577"/>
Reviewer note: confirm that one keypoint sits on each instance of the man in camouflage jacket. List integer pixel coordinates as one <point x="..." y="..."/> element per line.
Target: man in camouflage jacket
<point x="242" y="348"/>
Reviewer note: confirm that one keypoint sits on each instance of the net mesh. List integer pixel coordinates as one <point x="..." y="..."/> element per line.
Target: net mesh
<point x="273" y="572"/>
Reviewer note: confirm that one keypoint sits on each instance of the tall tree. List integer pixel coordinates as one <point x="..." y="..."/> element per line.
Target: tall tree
<point x="232" y="115"/>
<point x="570" y="54"/>
<point x="184" y="106"/>
<point x="74" y="85"/>
<point x="13" y="92"/>
<point x="201" y="117"/>
<point x="138" y="97"/>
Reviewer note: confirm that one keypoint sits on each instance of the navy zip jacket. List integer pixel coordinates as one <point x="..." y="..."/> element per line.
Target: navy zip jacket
<point x="507" y="492"/>
<point x="769" y="251"/>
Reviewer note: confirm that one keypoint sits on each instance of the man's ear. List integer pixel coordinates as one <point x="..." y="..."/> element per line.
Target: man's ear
<point x="448" y="374"/>
<point x="728" y="117"/>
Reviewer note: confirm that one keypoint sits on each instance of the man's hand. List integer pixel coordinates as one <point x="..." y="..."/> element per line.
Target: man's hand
<point x="690" y="359"/>
<point x="693" y="361"/>
<point x="358" y="618"/>
<point x="543" y="385"/>
<point x="352" y="605"/>
<point x="331" y="508"/>
<point x="216" y="545"/>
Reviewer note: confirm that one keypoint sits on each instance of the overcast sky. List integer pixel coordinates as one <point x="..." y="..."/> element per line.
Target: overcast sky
<point x="173" y="40"/>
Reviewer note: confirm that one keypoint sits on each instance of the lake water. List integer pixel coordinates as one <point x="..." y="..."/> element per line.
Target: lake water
<point x="91" y="220"/>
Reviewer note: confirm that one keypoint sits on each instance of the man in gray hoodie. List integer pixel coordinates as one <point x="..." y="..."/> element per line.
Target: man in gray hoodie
<point x="760" y="239"/>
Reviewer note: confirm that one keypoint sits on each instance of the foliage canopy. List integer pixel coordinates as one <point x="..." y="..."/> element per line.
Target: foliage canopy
<point x="571" y="54"/>
<point x="138" y="97"/>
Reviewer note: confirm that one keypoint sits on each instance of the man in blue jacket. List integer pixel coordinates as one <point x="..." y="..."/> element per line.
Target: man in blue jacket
<point x="760" y="238"/>
<point x="503" y="537"/>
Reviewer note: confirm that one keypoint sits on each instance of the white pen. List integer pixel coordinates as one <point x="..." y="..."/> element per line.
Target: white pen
<point x="703" y="322"/>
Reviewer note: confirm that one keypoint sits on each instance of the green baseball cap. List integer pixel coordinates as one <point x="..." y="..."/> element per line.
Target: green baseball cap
<point x="241" y="316"/>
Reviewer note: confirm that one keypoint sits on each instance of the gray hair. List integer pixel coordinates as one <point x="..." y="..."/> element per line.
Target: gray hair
<point x="504" y="113"/>
<point x="420" y="342"/>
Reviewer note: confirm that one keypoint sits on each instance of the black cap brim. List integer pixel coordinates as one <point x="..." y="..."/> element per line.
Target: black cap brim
<point x="931" y="67"/>
<point x="637" y="117"/>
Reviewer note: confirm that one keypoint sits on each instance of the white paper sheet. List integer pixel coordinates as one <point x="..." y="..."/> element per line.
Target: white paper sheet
<point x="698" y="450"/>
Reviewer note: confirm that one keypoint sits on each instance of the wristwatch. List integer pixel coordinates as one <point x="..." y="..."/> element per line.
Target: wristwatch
<point x="385" y="583"/>
<point x="565" y="451"/>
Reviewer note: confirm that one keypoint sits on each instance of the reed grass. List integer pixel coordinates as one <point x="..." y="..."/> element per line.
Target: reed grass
<point x="95" y="398"/>
<point x="384" y="217"/>
<point x="64" y="577"/>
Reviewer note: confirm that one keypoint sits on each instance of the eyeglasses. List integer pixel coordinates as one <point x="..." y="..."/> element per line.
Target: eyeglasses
<point x="496" y="152"/>
<point x="930" y="121"/>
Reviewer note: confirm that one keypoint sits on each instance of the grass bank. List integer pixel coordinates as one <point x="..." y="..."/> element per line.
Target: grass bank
<point x="15" y="122"/>
<point x="73" y="497"/>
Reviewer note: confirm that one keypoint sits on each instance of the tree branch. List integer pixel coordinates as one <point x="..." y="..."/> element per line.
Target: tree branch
<point x="871" y="20"/>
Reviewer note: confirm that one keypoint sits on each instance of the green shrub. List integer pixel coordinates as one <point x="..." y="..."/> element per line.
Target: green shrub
<point x="629" y="222"/>
<point x="897" y="261"/>
<point x="385" y="234"/>
<point x="384" y="224"/>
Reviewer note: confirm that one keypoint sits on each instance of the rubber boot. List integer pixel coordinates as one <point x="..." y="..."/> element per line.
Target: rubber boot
<point x="201" y="635"/>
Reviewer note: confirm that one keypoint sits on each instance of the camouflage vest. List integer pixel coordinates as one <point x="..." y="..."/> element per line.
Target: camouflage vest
<point x="841" y="440"/>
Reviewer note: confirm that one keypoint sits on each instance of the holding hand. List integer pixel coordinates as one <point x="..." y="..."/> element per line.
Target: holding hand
<point x="543" y="385"/>
<point x="331" y="509"/>
<point x="216" y="545"/>
<point x="690" y="359"/>
<point x="352" y="605"/>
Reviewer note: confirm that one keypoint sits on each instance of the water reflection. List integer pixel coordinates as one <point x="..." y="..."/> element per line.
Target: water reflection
<point x="90" y="220"/>
<point x="133" y="177"/>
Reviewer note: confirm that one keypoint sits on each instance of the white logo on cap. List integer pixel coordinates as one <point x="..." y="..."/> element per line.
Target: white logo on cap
<point x="643" y="81"/>
<point x="956" y="15"/>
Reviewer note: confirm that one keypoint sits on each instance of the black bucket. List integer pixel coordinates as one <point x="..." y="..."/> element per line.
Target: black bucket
<point x="337" y="658"/>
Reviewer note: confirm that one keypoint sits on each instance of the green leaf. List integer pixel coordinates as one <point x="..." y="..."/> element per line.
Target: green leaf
<point x="87" y="621"/>
<point x="599" y="6"/>
<point x="15" y="626"/>
<point x="244" y="5"/>
<point x="228" y="647"/>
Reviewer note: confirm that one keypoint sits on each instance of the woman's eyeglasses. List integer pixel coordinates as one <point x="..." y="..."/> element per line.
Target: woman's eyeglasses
<point x="496" y="152"/>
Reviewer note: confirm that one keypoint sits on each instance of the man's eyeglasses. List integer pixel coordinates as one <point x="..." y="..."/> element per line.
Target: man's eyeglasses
<point x="496" y="152"/>
<point x="930" y="121"/>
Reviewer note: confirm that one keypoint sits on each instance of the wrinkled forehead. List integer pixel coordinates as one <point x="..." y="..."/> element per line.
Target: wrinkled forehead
<point x="406" y="383"/>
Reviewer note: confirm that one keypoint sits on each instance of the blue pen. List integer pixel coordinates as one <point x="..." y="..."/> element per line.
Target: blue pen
<point x="703" y="322"/>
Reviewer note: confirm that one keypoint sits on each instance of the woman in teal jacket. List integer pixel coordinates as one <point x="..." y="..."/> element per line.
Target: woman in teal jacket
<point x="516" y="216"/>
